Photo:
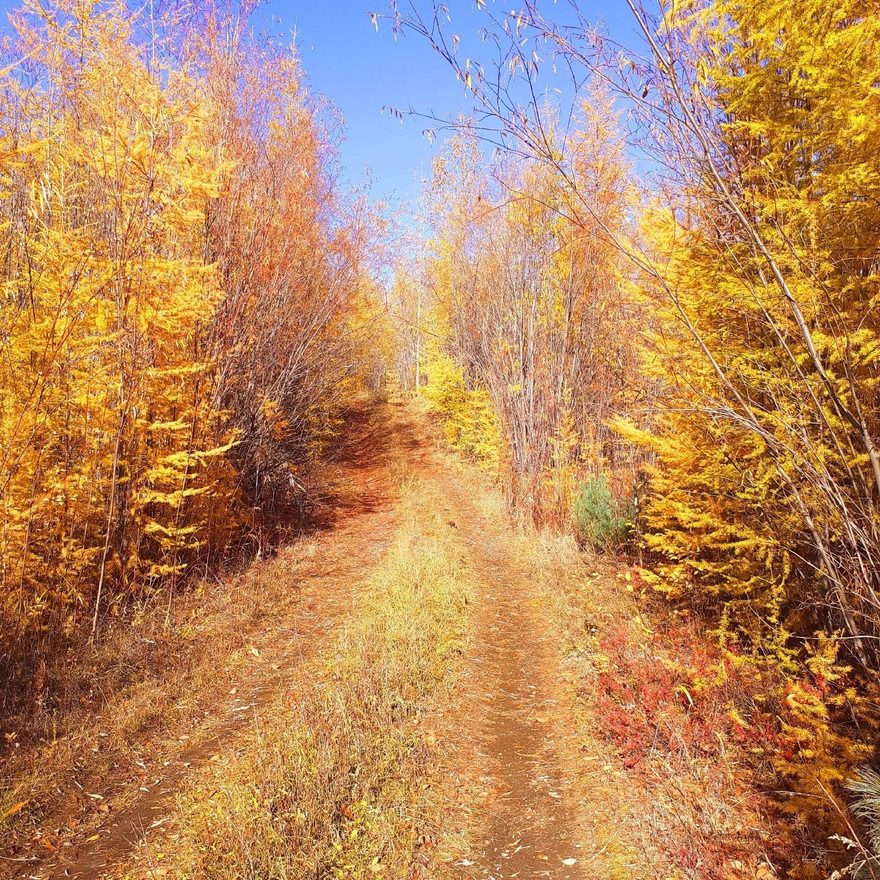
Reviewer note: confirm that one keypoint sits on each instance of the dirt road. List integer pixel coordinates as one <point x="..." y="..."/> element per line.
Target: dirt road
<point x="320" y="577"/>
<point x="502" y="736"/>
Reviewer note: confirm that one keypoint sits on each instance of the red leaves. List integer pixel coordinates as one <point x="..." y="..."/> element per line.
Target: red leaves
<point x="664" y="696"/>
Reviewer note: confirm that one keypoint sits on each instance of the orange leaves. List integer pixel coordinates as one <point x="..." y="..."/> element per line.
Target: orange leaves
<point x="294" y="330"/>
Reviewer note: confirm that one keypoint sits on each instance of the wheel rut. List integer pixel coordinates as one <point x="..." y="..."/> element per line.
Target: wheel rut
<point x="356" y="525"/>
<point x="506" y="740"/>
<point x="526" y="826"/>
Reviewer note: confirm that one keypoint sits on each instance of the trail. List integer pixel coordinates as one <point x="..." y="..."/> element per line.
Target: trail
<point x="353" y="527"/>
<point x="502" y="737"/>
<point x="526" y="826"/>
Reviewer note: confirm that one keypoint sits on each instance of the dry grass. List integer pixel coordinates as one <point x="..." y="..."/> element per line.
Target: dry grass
<point x="154" y="687"/>
<point x="663" y="783"/>
<point x="661" y="765"/>
<point x="334" y="781"/>
<point x="144" y="686"/>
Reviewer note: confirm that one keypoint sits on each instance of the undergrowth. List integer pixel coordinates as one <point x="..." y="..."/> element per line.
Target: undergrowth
<point x="145" y="683"/>
<point x="598" y="515"/>
<point x="333" y="783"/>
<point x="659" y="714"/>
<point x="739" y="763"/>
<point x="154" y="680"/>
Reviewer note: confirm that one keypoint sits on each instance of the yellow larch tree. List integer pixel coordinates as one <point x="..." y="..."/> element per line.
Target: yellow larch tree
<point x="184" y="291"/>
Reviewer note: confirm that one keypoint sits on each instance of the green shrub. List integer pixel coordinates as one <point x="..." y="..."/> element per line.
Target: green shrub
<point x="865" y="789"/>
<point x="598" y="517"/>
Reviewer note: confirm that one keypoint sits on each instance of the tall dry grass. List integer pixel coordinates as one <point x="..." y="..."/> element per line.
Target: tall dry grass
<point x="145" y="684"/>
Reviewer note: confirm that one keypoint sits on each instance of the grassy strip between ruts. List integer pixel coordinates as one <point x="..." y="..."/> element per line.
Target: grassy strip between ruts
<point x="334" y="782"/>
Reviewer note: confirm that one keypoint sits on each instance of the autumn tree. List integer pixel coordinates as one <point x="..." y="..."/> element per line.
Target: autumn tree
<point x="185" y="294"/>
<point x="295" y="260"/>
<point x="526" y="303"/>
<point x="755" y="262"/>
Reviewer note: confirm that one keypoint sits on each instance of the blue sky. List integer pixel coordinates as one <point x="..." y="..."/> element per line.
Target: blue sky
<point x="361" y="71"/>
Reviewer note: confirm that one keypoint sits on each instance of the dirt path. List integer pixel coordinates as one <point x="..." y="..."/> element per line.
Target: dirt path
<point x="325" y="572"/>
<point x="504" y="744"/>
<point x="498" y="750"/>
<point x="528" y="827"/>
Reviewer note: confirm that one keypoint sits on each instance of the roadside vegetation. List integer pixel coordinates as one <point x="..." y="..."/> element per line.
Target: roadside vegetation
<point x="155" y="692"/>
<point x="649" y="310"/>
<point x="184" y="296"/>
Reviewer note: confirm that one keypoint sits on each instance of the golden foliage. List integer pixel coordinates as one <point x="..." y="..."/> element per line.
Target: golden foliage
<point x="176" y="301"/>
<point x="765" y="343"/>
<point x="522" y="297"/>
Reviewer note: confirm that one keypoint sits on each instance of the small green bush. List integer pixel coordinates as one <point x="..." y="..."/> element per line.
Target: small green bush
<point x="597" y="515"/>
<point x="865" y="789"/>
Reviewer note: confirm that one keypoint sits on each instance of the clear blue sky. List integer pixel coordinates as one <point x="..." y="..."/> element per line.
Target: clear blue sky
<point x="361" y="71"/>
